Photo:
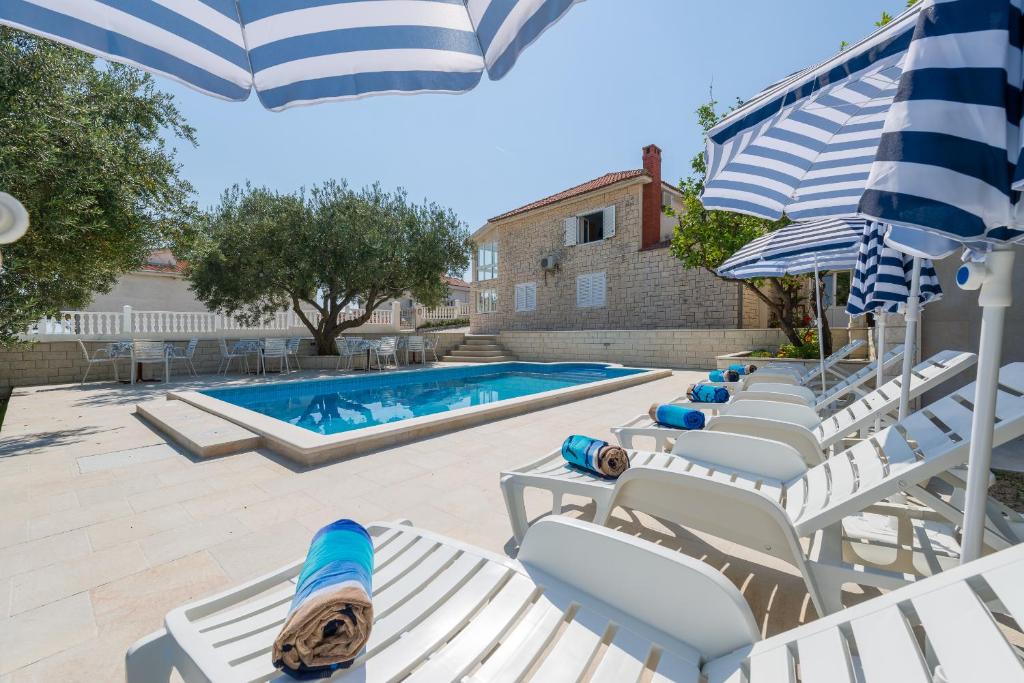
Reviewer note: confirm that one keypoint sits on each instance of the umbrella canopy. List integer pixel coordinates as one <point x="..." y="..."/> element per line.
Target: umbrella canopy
<point x="940" y="112"/>
<point x="296" y="52"/>
<point x="797" y="249"/>
<point x="832" y="244"/>
<point x="882" y="276"/>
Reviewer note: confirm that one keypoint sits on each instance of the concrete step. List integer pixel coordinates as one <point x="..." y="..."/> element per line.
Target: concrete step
<point x="201" y="433"/>
<point x="481" y="339"/>
<point x="481" y="346"/>
<point x="477" y="352"/>
<point x="477" y="359"/>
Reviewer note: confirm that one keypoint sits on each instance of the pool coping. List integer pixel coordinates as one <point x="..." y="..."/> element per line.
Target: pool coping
<point x="310" y="448"/>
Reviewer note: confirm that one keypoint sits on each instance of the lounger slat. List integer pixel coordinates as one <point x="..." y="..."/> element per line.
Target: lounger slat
<point x="519" y="649"/>
<point x="394" y="548"/>
<point x="418" y="603"/>
<point x="624" y="659"/>
<point x="571" y="653"/>
<point x="925" y="434"/>
<point x="843" y="475"/>
<point x="887" y="648"/>
<point x="864" y="459"/>
<point x="412" y="554"/>
<point x="774" y="665"/>
<point x="825" y="658"/>
<point x="955" y="415"/>
<point x="402" y="656"/>
<point x="411" y="582"/>
<point x="472" y="644"/>
<point x="948" y="614"/>
<point x="1006" y="583"/>
<point x="818" y="488"/>
<point x="270" y="618"/>
<point x="215" y="623"/>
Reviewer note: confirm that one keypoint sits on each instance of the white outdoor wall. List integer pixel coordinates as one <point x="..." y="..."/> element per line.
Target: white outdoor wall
<point x="148" y="292"/>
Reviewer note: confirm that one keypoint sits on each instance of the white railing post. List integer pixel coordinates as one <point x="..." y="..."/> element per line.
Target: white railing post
<point x="126" y="320"/>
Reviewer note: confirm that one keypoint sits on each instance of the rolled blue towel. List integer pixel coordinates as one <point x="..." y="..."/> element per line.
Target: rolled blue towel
<point x="678" y="417"/>
<point x="741" y="369"/>
<point x="595" y="455"/>
<point x="332" y="612"/>
<point x="724" y="376"/>
<point x="706" y="393"/>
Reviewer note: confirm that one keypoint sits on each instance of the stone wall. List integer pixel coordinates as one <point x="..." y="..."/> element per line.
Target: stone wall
<point x="63" y="362"/>
<point x="645" y="288"/>
<point x="645" y="348"/>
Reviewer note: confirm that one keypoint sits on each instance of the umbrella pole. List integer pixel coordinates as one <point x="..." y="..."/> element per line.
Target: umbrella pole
<point x="911" y="315"/>
<point x="995" y="297"/>
<point x="879" y="355"/>
<point x="821" y="342"/>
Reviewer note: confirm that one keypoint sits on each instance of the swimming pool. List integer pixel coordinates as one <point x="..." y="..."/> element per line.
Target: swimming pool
<point x="312" y="421"/>
<point x="334" y="406"/>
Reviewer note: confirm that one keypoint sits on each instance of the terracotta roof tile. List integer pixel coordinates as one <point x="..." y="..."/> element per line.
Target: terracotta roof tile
<point x="454" y="281"/>
<point x="589" y="186"/>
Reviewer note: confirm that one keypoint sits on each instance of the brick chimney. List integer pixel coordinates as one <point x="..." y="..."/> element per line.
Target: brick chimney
<point x="651" y="209"/>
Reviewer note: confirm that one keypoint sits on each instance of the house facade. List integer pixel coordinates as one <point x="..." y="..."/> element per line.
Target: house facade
<point x="595" y="256"/>
<point x="159" y="285"/>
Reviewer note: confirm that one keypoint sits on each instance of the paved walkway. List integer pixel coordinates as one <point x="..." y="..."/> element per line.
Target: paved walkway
<point x="104" y="527"/>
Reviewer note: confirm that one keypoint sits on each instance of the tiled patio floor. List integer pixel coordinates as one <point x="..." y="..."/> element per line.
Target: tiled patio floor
<point x="104" y="527"/>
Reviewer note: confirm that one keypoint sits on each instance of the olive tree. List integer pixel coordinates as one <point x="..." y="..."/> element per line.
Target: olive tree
<point x="317" y="252"/>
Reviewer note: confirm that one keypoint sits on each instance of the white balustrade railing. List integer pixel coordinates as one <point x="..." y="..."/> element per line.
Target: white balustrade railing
<point x="441" y="313"/>
<point x="131" y="323"/>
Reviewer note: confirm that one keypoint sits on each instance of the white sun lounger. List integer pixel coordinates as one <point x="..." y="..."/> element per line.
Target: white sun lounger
<point x="446" y="611"/>
<point x="795" y="373"/>
<point x="800" y="426"/>
<point x="794" y="393"/>
<point x="738" y="495"/>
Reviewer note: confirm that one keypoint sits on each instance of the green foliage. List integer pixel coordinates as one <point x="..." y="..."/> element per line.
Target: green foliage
<point x="454" y="322"/>
<point x="705" y="239"/>
<point x="83" y="149"/>
<point x="263" y="251"/>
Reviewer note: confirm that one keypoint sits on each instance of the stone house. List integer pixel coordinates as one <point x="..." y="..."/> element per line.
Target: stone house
<point x="159" y="285"/>
<point x="595" y="256"/>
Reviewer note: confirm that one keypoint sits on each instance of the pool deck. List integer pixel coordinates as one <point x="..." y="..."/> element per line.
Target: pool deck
<point x="104" y="527"/>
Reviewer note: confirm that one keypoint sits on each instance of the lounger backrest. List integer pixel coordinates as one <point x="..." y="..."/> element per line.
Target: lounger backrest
<point x="927" y="443"/>
<point x="577" y="562"/>
<point x="925" y="376"/>
<point x="146" y="351"/>
<point x="836" y="357"/>
<point x="861" y="376"/>
<point x="774" y="410"/>
<point x="881" y="639"/>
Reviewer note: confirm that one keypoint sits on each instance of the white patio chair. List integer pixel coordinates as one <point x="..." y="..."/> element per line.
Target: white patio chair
<point x="250" y="347"/>
<point x="385" y="348"/>
<point x="449" y="611"/>
<point x="150" y="353"/>
<point x="750" y="495"/>
<point x="293" y="350"/>
<point x="275" y="348"/>
<point x="430" y="346"/>
<point x="415" y="344"/>
<point x="105" y="354"/>
<point x="347" y="348"/>
<point x="227" y="356"/>
<point x="184" y="355"/>
<point x="800" y="426"/>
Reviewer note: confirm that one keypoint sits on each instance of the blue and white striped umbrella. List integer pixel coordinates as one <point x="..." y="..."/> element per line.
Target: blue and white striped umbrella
<point x="917" y="126"/>
<point x="881" y="278"/>
<point x="296" y="52"/>
<point x="831" y="244"/>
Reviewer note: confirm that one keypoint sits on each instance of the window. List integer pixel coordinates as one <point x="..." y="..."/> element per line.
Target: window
<point x="666" y="199"/>
<point x="590" y="227"/>
<point x="487" y="301"/>
<point x="526" y="297"/>
<point x="487" y="261"/>
<point x="590" y="290"/>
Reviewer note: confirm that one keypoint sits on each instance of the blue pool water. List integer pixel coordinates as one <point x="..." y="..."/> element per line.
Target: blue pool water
<point x="331" y="406"/>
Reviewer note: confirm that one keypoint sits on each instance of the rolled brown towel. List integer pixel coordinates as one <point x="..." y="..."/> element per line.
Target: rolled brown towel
<point x="595" y="455"/>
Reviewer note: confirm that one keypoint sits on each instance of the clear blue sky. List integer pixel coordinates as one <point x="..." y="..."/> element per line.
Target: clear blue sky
<point x="611" y="77"/>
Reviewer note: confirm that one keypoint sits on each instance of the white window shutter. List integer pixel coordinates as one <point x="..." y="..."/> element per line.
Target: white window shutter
<point x="583" y="291"/>
<point x="571" y="226"/>
<point x="597" y="289"/>
<point x="531" y="296"/>
<point x="519" y="297"/>
<point x="609" y="221"/>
